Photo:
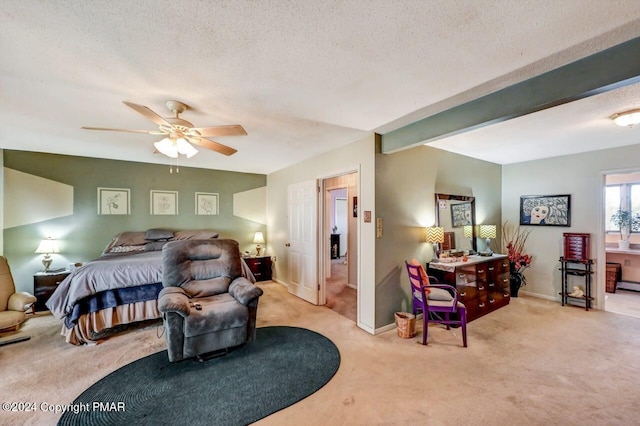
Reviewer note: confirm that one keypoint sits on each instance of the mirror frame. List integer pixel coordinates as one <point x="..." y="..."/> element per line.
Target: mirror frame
<point x="468" y="198"/>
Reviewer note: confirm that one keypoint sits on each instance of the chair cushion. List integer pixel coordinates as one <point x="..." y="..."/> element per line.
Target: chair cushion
<point x="436" y="294"/>
<point x="442" y="304"/>
<point x="11" y="319"/>
<point x="440" y="294"/>
<point x="218" y="312"/>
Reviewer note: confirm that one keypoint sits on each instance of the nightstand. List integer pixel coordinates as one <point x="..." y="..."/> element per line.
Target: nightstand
<point x="260" y="267"/>
<point x="44" y="284"/>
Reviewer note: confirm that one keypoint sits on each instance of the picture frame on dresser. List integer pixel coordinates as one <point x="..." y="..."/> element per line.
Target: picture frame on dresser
<point x="461" y="214"/>
<point x="545" y="210"/>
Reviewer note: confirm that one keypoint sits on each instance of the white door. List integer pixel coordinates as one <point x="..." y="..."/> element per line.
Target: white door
<point x="303" y="220"/>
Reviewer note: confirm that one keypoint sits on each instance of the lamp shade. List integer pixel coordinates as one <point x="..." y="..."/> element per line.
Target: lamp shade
<point x="258" y="238"/>
<point x="167" y="147"/>
<point x="468" y="231"/>
<point x="627" y="118"/>
<point x="487" y="231"/>
<point x="435" y="234"/>
<point x="47" y="246"/>
<point x="186" y="148"/>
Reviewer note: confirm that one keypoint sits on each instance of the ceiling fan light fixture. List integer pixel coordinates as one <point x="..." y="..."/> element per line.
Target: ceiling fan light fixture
<point x="185" y="148"/>
<point x="627" y="118"/>
<point x="167" y="147"/>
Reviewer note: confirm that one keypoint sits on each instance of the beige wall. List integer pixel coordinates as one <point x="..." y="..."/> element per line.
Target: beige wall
<point x="582" y="176"/>
<point x="1" y="199"/>
<point x="406" y="184"/>
<point x="357" y="156"/>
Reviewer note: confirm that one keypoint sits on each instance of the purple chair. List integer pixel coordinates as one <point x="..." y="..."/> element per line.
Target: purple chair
<point x="443" y="299"/>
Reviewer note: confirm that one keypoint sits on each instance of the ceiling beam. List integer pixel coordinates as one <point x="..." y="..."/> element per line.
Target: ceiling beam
<point x="607" y="70"/>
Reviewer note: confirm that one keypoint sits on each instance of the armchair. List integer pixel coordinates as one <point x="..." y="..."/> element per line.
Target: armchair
<point x="433" y="300"/>
<point x="206" y="303"/>
<point x="12" y="305"/>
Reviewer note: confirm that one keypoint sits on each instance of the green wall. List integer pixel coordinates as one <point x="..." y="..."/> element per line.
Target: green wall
<point x="406" y="184"/>
<point x="84" y="234"/>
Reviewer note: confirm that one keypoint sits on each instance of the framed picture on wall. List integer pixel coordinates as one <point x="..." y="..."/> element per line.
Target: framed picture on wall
<point x="545" y="210"/>
<point x="113" y="201"/>
<point x="460" y="214"/>
<point x="164" y="202"/>
<point x="206" y="204"/>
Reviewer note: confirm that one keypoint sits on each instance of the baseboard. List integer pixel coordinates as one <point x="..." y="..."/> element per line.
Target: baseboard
<point x="385" y="328"/>
<point x="541" y="296"/>
<point x="355" y="287"/>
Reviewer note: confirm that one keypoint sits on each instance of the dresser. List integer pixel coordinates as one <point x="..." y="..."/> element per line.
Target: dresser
<point x="481" y="281"/>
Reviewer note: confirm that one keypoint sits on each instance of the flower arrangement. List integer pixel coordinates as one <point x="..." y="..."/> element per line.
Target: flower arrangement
<point x="514" y="239"/>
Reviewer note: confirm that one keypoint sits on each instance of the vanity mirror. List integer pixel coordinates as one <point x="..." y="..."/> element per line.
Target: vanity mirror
<point x="457" y="215"/>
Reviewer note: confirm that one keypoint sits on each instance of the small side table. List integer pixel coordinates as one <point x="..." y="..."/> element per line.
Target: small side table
<point x="44" y="284"/>
<point x="580" y="268"/>
<point x="260" y="267"/>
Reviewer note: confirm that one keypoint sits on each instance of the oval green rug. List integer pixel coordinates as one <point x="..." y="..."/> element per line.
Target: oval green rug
<point x="282" y="366"/>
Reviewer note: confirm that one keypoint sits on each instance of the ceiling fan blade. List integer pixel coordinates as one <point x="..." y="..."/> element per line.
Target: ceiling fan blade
<point x="150" y="132"/>
<point x="212" y="145"/>
<point x="148" y="113"/>
<point x="231" y="130"/>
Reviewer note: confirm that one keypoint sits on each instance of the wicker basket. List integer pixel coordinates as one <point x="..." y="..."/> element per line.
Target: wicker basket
<point x="612" y="278"/>
<point x="406" y="324"/>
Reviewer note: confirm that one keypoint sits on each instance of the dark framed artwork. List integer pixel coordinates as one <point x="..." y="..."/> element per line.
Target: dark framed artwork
<point x="355" y="206"/>
<point x="460" y="214"/>
<point x="545" y="210"/>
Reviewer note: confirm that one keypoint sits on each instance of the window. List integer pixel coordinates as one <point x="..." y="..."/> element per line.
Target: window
<point x="625" y="196"/>
<point x="612" y="203"/>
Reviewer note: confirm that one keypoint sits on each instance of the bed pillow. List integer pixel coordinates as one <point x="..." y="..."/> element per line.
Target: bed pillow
<point x="158" y="235"/>
<point x="126" y="249"/>
<point x="126" y="238"/>
<point x="195" y="234"/>
<point x="154" y="245"/>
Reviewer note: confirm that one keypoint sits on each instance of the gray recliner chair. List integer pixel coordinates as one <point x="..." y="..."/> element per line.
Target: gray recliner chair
<point x="206" y="303"/>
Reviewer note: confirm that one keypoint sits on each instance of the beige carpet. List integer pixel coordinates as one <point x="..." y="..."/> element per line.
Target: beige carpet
<point x="340" y="297"/>
<point x="533" y="362"/>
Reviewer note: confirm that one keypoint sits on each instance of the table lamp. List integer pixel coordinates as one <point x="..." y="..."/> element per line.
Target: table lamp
<point x="258" y="239"/>
<point x="47" y="247"/>
<point x="468" y="233"/>
<point x="435" y="235"/>
<point x="488" y="232"/>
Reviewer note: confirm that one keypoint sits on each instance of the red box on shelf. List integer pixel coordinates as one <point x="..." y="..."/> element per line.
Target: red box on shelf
<point x="576" y="246"/>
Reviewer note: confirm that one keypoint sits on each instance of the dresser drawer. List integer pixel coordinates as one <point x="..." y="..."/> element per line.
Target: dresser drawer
<point x="467" y="293"/>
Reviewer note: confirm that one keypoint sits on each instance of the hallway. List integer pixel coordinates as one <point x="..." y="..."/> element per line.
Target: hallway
<point x="340" y="297"/>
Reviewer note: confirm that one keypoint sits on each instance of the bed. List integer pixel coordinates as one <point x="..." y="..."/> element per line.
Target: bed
<point x="118" y="289"/>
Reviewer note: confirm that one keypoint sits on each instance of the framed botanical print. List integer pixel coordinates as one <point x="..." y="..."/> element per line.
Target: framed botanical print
<point x="164" y="202"/>
<point x="206" y="204"/>
<point x="114" y="201"/>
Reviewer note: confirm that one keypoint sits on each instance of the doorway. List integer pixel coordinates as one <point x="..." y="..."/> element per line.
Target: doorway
<point x="340" y="232"/>
<point x="622" y="294"/>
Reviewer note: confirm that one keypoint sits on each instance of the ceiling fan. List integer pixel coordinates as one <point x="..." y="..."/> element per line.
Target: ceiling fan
<point x="180" y="134"/>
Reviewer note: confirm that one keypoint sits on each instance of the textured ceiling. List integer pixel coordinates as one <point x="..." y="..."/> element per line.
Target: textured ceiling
<point x="302" y="77"/>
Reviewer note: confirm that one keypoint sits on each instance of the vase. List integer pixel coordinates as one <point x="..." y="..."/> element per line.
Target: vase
<point x="623" y="244"/>
<point x="515" y="281"/>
